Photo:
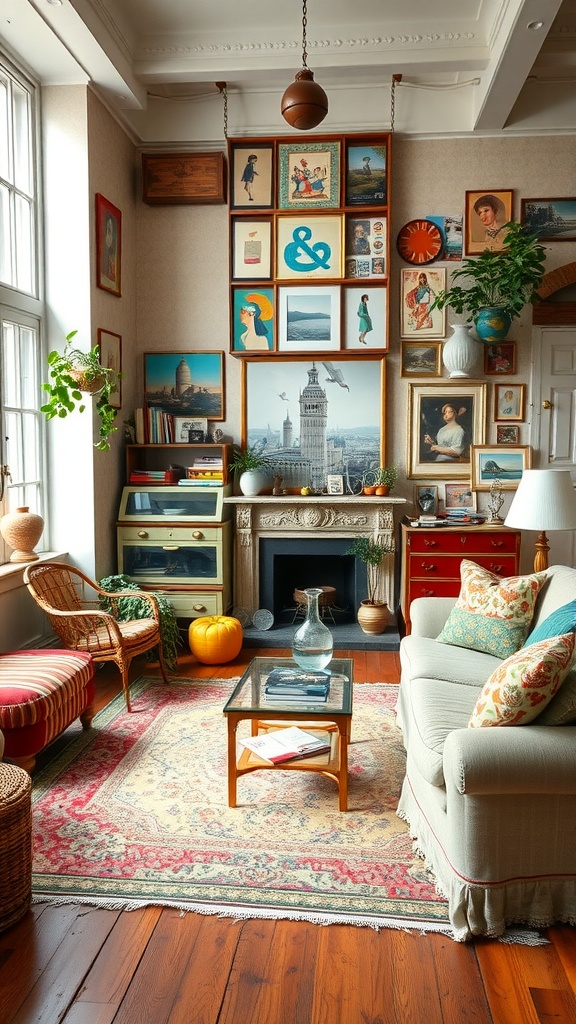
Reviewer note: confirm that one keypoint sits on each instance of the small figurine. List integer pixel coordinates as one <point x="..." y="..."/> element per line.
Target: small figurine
<point x="495" y="502"/>
<point x="277" y="488"/>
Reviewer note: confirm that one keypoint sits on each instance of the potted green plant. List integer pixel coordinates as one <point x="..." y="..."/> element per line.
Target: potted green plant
<point x="134" y="607"/>
<point x="248" y="465"/>
<point x="373" y="615"/>
<point x="386" y="477"/>
<point x="497" y="284"/>
<point x="73" y="374"/>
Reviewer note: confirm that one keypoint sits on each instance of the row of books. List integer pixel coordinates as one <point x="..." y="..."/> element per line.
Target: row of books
<point x="293" y="686"/>
<point x="153" y="476"/>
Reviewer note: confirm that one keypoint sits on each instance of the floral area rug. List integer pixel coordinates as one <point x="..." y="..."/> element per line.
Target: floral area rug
<point x="135" y="812"/>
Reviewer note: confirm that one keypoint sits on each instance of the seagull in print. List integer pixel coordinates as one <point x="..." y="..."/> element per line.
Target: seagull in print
<point x="283" y="396"/>
<point x="336" y="376"/>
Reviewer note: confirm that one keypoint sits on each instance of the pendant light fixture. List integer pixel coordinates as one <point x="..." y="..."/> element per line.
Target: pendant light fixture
<point x="304" y="104"/>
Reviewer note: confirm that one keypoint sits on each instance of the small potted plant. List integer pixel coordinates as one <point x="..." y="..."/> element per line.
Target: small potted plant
<point x="249" y="466"/>
<point x="373" y="615"/>
<point x="386" y="477"/>
<point x="497" y="284"/>
<point x="73" y="374"/>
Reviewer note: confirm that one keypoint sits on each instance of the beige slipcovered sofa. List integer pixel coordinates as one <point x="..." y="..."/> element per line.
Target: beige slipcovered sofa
<point x="492" y="810"/>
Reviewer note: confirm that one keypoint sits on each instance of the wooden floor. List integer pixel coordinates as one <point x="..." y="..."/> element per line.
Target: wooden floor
<point x="85" y="966"/>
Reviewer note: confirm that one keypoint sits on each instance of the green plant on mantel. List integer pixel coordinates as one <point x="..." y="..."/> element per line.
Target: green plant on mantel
<point x="247" y="458"/>
<point x="73" y="374"/>
<point x="371" y="553"/>
<point x="386" y="476"/>
<point x="136" y="607"/>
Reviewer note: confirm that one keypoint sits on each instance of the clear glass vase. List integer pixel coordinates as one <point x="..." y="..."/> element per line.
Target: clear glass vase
<point x="313" y="643"/>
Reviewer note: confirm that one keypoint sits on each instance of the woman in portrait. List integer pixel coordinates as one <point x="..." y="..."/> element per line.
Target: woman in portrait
<point x="450" y="443"/>
<point x="255" y="337"/>
<point x="418" y="301"/>
<point x="365" y="320"/>
<point x="492" y="214"/>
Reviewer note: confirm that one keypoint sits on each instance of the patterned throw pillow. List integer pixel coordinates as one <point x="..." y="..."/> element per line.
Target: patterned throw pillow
<point x="521" y="687"/>
<point x="562" y="620"/>
<point x="562" y="708"/>
<point x="493" y="613"/>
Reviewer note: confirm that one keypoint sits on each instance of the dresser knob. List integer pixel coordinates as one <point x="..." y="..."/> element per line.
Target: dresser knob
<point x="430" y="543"/>
<point x="497" y="544"/>
<point x="142" y="534"/>
<point x="499" y="569"/>
<point x="199" y="607"/>
<point x="197" y="534"/>
<point x="428" y="568"/>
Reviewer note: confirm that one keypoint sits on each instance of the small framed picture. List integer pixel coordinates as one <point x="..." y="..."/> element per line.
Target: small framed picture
<point x="459" y="496"/>
<point x="335" y="484"/>
<point x="110" y="346"/>
<point x="489" y="463"/>
<point x="366" y="167"/>
<point x="187" y="384"/>
<point x="251" y="175"/>
<point x="418" y="291"/>
<point x="251" y="249"/>
<point x="253" y="319"/>
<point x="108" y="246"/>
<point x="501" y="358"/>
<point x="365" y="317"/>
<point x="365" y="247"/>
<point x="421" y="358"/>
<point x="552" y="220"/>
<point x="190" y="431"/>
<point x="506" y="434"/>
<point x="509" y="401"/>
<point x="309" y="318"/>
<point x="486" y="214"/>
<point x="426" y="499"/>
<point x="308" y="247"/>
<point x="308" y="175"/>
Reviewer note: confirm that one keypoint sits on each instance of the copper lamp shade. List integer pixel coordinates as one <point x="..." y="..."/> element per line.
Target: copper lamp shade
<point x="304" y="104"/>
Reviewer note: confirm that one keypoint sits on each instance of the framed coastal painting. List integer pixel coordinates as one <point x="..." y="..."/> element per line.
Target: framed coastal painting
<point x="365" y="317"/>
<point x="486" y="213"/>
<point x="444" y="420"/>
<point x="419" y="288"/>
<point x="108" y="246"/>
<point x="552" y="220"/>
<point x="251" y="175"/>
<point x="505" y="464"/>
<point x="308" y="247"/>
<point x="110" y="347"/>
<point x="308" y="175"/>
<point x="309" y="318"/>
<point x="253" y="320"/>
<point x="185" y="383"/>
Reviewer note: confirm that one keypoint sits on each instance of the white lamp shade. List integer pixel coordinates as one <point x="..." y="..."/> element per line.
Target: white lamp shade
<point x="545" y="500"/>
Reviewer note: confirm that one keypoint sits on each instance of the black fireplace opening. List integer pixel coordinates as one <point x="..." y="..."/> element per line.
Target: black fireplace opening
<point x="290" y="564"/>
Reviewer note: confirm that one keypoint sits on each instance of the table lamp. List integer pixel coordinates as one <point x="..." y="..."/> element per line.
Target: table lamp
<point x="545" y="500"/>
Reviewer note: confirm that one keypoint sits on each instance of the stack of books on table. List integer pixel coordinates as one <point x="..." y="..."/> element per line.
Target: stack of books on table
<point x="286" y="745"/>
<point x="296" y="686"/>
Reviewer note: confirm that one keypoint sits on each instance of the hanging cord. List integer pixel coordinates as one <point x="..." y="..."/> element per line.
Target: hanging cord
<point x="395" y="80"/>
<point x="222" y="88"/>
<point x="304" y="24"/>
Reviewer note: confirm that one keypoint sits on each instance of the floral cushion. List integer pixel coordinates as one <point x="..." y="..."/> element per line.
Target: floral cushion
<point x="562" y="708"/>
<point x="562" y="620"/>
<point x="492" y="613"/>
<point x="521" y="687"/>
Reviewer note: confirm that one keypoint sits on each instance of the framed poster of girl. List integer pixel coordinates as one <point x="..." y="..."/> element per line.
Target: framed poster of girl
<point x="419" y="289"/>
<point x="108" y="245"/>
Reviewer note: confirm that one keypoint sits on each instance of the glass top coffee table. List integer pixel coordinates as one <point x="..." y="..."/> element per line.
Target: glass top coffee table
<point x="334" y="717"/>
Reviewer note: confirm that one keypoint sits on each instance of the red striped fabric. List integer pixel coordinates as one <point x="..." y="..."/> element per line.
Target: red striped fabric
<point x="40" y="685"/>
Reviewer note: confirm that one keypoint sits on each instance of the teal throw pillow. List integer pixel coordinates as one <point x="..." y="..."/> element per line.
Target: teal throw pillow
<point x="560" y="621"/>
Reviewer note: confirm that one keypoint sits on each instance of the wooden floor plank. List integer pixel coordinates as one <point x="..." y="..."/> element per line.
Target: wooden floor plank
<point x="117" y="962"/>
<point x="503" y="969"/>
<point x="563" y="938"/>
<point x="554" y="1006"/>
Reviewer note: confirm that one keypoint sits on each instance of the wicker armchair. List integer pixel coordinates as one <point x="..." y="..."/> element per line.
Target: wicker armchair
<point x="71" y="602"/>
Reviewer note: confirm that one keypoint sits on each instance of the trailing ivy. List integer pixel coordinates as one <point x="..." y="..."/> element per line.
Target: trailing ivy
<point x="130" y="608"/>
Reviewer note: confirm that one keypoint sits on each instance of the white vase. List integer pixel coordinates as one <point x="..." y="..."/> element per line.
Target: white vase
<point x="460" y="352"/>
<point x="252" y="481"/>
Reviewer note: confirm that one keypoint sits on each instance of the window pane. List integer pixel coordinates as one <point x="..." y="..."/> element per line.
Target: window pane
<point x="31" y="447"/>
<point x="28" y="374"/>
<point x="4" y="151"/>
<point x="22" y="147"/>
<point x="11" y="375"/>
<point x="14" y="454"/>
<point x="24" y="249"/>
<point x="5" y="236"/>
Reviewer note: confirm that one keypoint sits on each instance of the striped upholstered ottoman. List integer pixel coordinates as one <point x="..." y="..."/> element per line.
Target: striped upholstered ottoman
<point x="41" y="693"/>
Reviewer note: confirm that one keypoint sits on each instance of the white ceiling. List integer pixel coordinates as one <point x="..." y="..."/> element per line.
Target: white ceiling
<point x="518" y="57"/>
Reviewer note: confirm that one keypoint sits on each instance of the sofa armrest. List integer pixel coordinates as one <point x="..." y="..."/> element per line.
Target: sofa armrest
<point x="511" y="759"/>
<point x="428" y="615"/>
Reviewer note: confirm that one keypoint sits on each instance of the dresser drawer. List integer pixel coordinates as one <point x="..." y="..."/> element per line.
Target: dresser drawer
<point x="467" y="545"/>
<point x="439" y="566"/>
<point x="432" y="588"/>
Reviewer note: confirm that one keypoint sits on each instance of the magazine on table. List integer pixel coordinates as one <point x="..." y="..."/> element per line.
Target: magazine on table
<point x="286" y="745"/>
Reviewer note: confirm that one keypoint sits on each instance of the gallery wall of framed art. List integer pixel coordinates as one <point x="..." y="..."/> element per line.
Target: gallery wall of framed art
<point x="309" y="245"/>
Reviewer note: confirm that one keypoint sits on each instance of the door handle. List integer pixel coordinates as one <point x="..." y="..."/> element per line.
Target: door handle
<point x="546" y="404"/>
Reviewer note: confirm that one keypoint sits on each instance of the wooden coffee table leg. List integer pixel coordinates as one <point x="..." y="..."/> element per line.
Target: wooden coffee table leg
<point x="343" y="734"/>
<point x="232" y="763"/>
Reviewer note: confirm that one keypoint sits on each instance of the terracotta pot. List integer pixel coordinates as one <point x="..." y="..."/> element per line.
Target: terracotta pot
<point x="373" y="618"/>
<point x="369" y="490"/>
<point x="22" y="529"/>
<point x="382" y="489"/>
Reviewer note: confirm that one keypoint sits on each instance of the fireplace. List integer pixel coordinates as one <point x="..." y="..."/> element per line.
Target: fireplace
<point x="287" y="542"/>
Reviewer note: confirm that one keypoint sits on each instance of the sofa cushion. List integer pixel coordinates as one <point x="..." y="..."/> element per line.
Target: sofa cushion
<point x="560" y="587"/>
<point x="562" y="708"/>
<point x="437" y="708"/>
<point x="423" y="657"/>
<point x="522" y="685"/>
<point x="492" y="613"/>
<point x="562" y="620"/>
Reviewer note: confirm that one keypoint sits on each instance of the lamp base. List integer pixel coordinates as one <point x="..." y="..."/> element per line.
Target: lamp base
<point x="541" y="556"/>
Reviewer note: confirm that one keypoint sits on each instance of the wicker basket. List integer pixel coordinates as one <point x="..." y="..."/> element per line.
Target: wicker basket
<point x="15" y="844"/>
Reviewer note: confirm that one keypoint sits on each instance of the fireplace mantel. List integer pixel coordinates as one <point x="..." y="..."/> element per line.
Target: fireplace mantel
<point x="293" y="516"/>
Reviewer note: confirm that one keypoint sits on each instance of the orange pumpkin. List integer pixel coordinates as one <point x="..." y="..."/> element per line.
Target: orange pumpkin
<point x="215" y="639"/>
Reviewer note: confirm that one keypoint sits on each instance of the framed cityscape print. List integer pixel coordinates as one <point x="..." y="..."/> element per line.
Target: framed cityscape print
<point x="251" y="175"/>
<point x="253" y="320"/>
<point x="308" y="175"/>
<point x="418" y="290"/>
<point x="110" y="346"/>
<point x="509" y="400"/>
<point x="309" y="318"/>
<point x="365" y="247"/>
<point x="486" y="213"/>
<point x="251" y="249"/>
<point x="308" y="247"/>
<point x="444" y="421"/>
<point x="490" y="462"/>
<point x="349" y="394"/>
<point x="552" y="220"/>
<point x="420" y="358"/>
<point x="108" y="246"/>
<point x="185" y="383"/>
<point x="365" y="173"/>
<point x="365" y="314"/>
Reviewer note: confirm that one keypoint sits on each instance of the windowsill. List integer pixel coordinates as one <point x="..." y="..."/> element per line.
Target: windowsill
<point x="11" y="573"/>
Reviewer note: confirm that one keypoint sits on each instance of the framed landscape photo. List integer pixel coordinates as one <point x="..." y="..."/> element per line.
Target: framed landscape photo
<point x="308" y="175"/>
<point x="444" y="420"/>
<point x="251" y="249"/>
<point x="505" y="464"/>
<point x="108" y="246"/>
<point x="459" y="496"/>
<point x="419" y="288"/>
<point x="251" y="175"/>
<point x="308" y="247"/>
<point x="190" y="431"/>
<point x="185" y="383"/>
<point x="420" y="358"/>
<point x="500" y="358"/>
<point x="552" y="220"/>
<point x="309" y="318"/>
<point x="365" y="317"/>
<point x="110" y="346"/>
<point x="509" y="400"/>
<point x="485" y="214"/>
<point x="253" y="320"/>
<point x="366" y="173"/>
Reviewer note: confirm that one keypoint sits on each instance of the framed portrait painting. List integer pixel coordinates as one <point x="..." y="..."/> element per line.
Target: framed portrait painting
<point x="108" y="246"/>
<point x="110" y="346"/>
<point x="486" y="213"/>
<point x="551" y="220"/>
<point x="185" y="383"/>
<point x="365" y="318"/>
<point x="509" y="401"/>
<point x="308" y="247"/>
<point x="253" y="320"/>
<point x="309" y="318"/>
<point x="490" y="462"/>
<point x="418" y="290"/>
<point x="251" y="249"/>
<point x="366" y="168"/>
<point x="444" y="420"/>
<point x="308" y="175"/>
<point x="251" y="175"/>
